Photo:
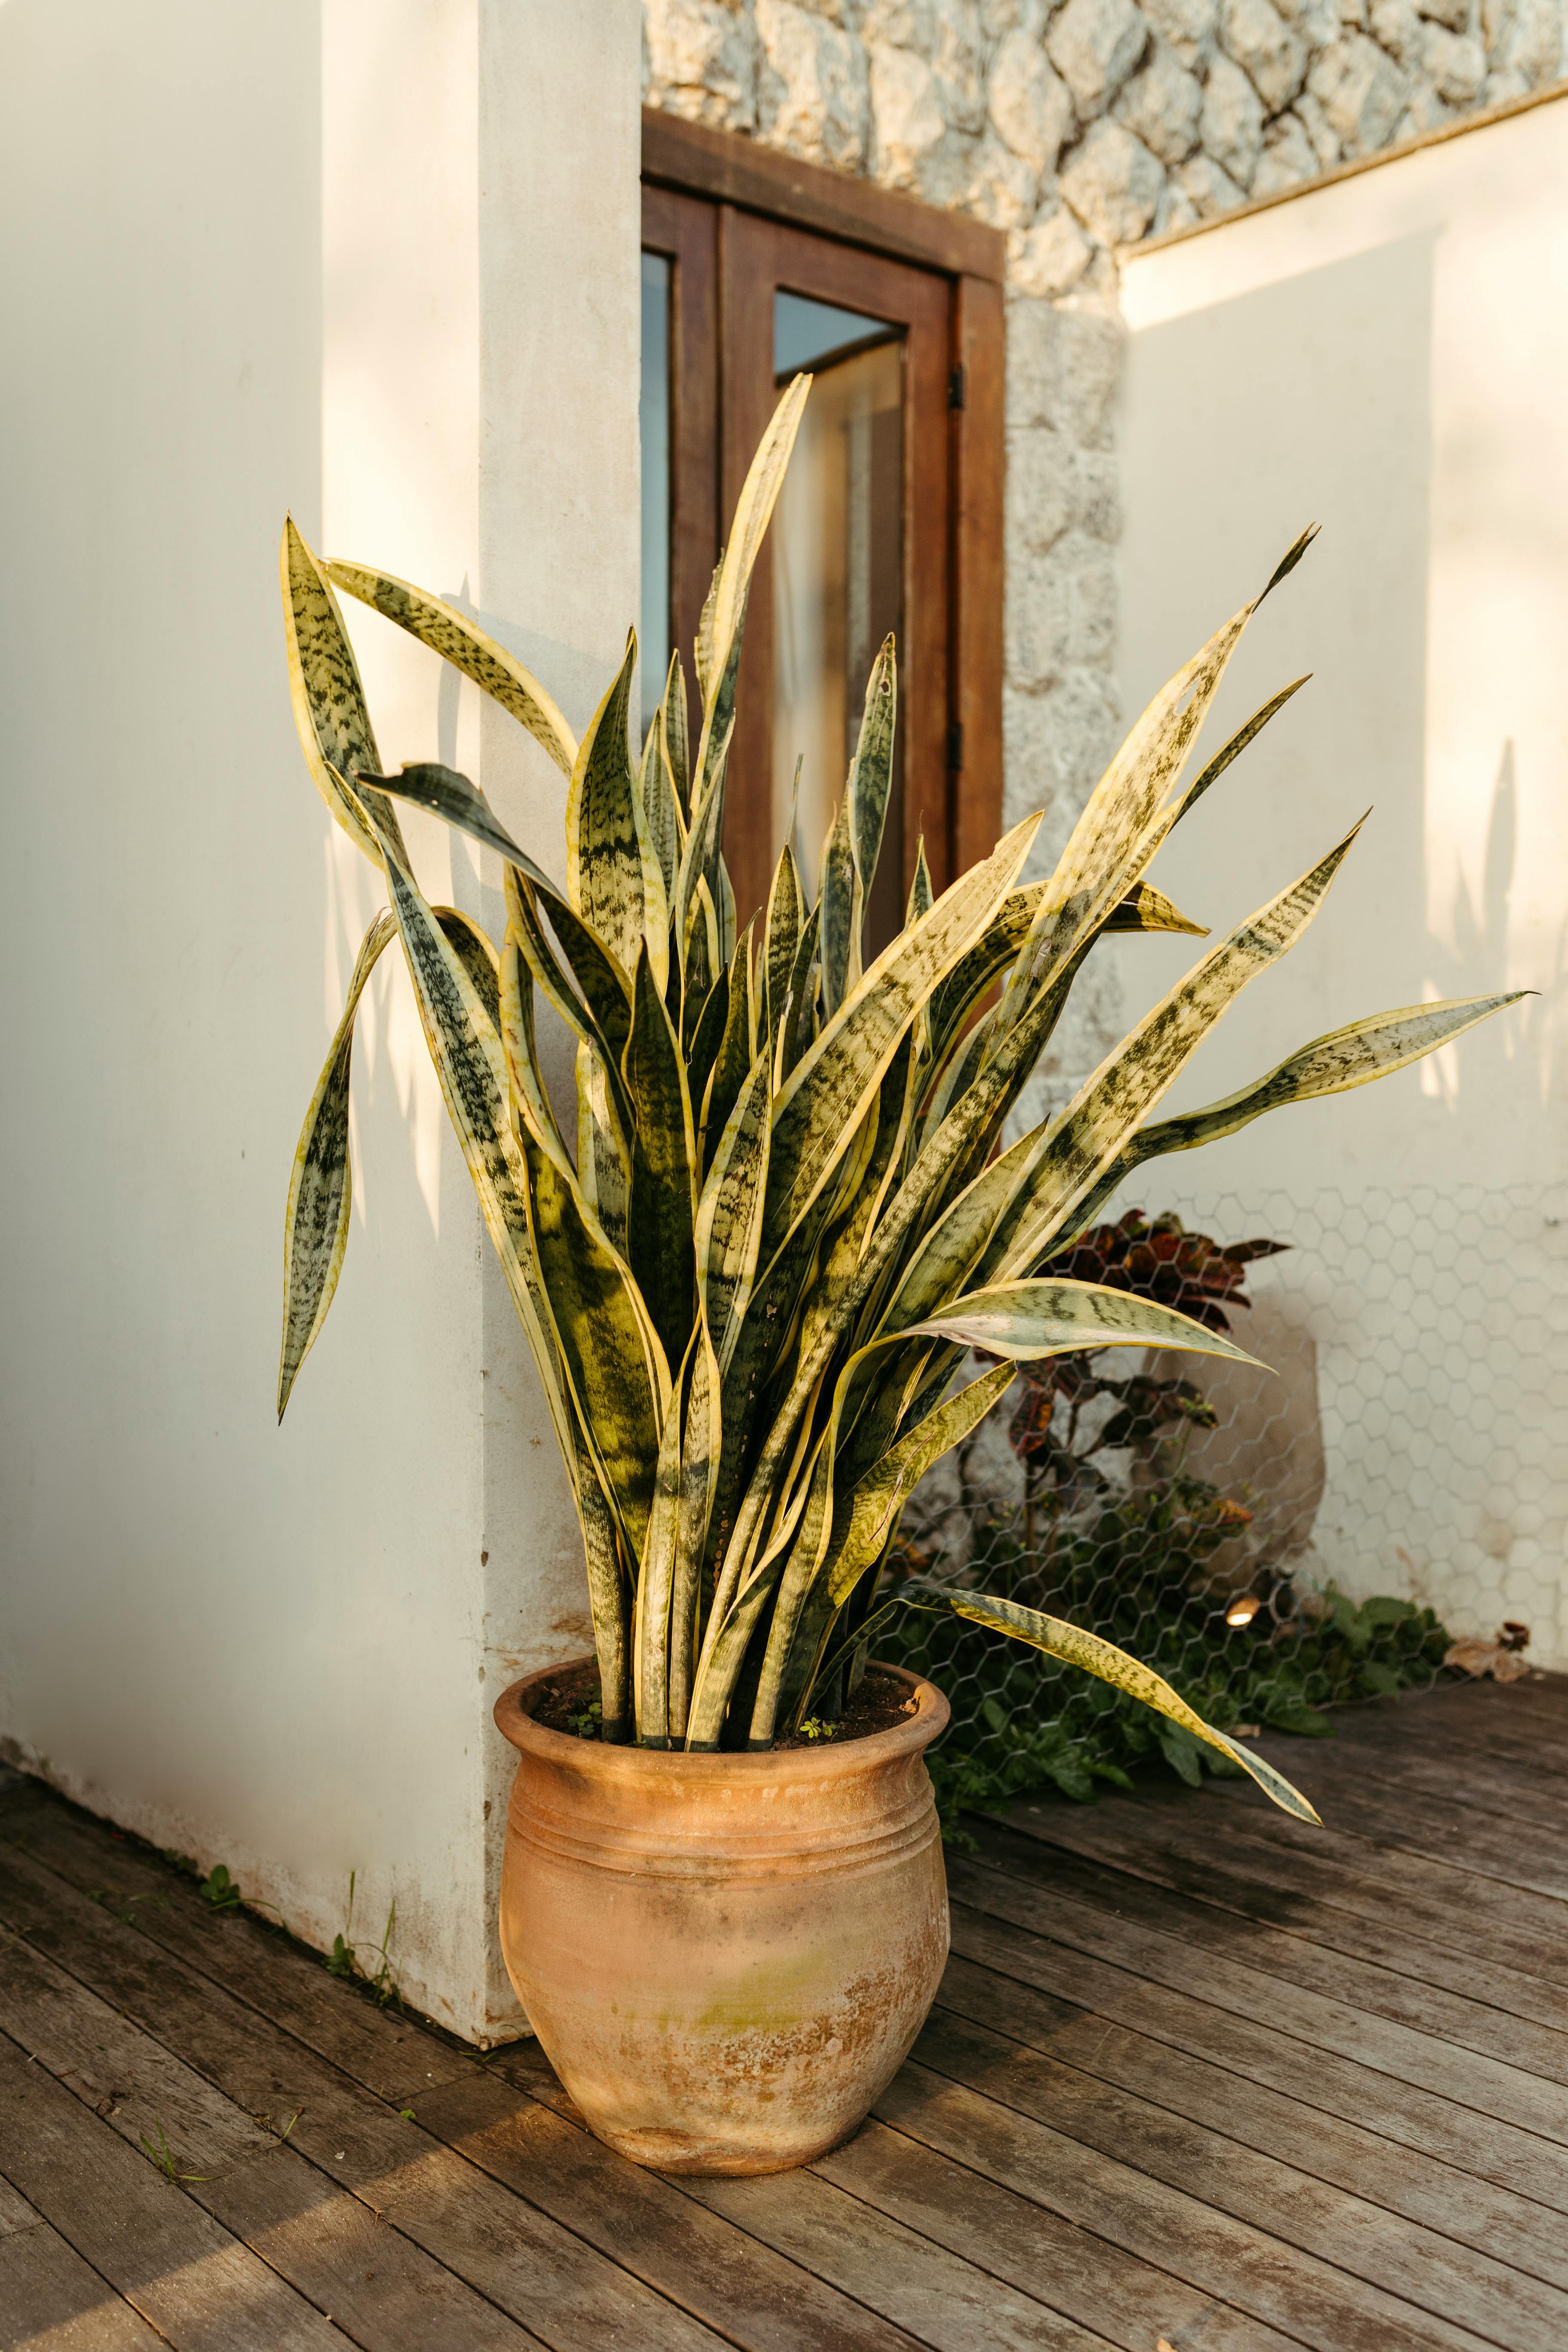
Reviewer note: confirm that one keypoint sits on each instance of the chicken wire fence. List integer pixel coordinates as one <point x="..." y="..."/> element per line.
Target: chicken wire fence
<point x="1274" y="1541"/>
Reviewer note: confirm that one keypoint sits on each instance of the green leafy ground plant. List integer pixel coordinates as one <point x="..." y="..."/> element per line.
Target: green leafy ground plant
<point x="753" y="1251"/>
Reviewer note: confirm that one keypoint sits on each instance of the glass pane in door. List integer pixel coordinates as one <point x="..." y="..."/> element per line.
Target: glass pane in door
<point x="838" y="561"/>
<point x="653" y="418"/>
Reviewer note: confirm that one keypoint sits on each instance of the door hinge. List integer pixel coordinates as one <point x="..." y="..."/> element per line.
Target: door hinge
<point x="955" y="388"/>
<point x="955" y="747"/>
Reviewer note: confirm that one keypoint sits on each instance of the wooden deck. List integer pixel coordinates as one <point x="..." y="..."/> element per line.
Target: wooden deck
<point x="1197" y="2078"/>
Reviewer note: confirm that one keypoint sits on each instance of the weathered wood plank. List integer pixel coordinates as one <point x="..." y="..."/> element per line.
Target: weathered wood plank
<point x="1402" y="1750"/>
<point x="1295" y="2205"/>
<point x="389" y="2053"/>
<point x="737" y="2286"/>
<point x="1403" y="2179"/>
<point x="373" y="2045"/>
<point x="1470" y="2024"/>
<point x="1353" y="1880"/>
<point x="185" y="2274"/>
<point x="1372" y="1842"/>
<point x="264" y="1973"/>
<point x="949" y="2303"/>
<point x="545" y="2278"/>
<point x="1127" y="2299"/>
<point x="1279" y="2284"/>
<point x="1248" y="2045"/>
<point x="49" y="2297"/>
<point x="1355" y="1803"/>
<point x="1187" y="1963"/>
<point x="1261" y="1885"/>
<point x="386" y="2293"/>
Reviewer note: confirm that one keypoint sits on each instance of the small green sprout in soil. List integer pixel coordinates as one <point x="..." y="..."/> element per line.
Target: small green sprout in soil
<point x="814" y="1728"/>
<point x="343" y="1959"/>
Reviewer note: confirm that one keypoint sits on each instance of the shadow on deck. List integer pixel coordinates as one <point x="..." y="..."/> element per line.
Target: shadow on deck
<point x="1197" y="2076"/>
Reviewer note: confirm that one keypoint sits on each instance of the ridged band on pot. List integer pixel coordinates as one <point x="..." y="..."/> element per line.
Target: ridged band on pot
<point x="726" y="1957"/>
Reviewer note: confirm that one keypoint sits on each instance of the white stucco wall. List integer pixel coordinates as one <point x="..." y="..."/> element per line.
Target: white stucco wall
<point x="1386" y="356"/>
<point x="374" y="260"/>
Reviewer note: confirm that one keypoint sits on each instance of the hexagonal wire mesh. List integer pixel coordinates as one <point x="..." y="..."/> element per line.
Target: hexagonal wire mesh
<point x="1399" y="1452"/>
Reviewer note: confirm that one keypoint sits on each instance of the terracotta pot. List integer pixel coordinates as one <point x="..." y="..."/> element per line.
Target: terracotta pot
<point x="725" y="1957"/>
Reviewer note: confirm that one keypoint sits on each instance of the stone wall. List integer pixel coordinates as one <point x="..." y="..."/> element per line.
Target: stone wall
<point x="1077" y="128"/>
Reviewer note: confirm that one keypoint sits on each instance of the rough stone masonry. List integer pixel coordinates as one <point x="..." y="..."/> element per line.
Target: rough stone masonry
<point x="1078" y="128"/>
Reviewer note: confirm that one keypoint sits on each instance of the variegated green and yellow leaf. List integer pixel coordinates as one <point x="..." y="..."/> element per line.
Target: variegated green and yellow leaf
<point x="698" y="1476"/>
<point x="316" y="1222"/>
<point x="655" y="795"/>
<point x="675" y="743"/>
<point x="921" y="893"/>
<point x="794" y="1025"/>
<point x="460" y="640"/>
<point x="863" y="1525"/>
<point x="1088" y="1135"/>
<point x="619" y="1390"/>
<point x="661" y="1199"/>
<point x="448" y="795"/>
<point x="1234" y="747"/>
<point x="330" y="711"/>
<point x="781" y="937"/>
<point x="607" y="1578"/>
<point x="1076" y="1648"/>
<point x="655" y="1578"/>
<point x="1026" y="1320"/>
<point x="604" y="850"/>
<point x="1126" y="816"/>
<point x="871" y="770"/>
<point x="604" y="1150"/>
<point x="471" y="1063"/>
<point x="601" y="1018"/>
<point x="1353" y="1056"/>
<point x="1145" y="908"/>
<point x="730" y="1212"/>
<point x="520" y="1044"/>
<point x="824" y="1098"/>
<point x="753" y="510"/>
<point x="841" y="905"/>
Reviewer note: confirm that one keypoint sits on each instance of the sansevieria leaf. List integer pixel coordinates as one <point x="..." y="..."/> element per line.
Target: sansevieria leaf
<point x="824" y="1099"/>
<point x="1085" y="1139"/>
<point x="661" y="1199"/>
<point x="604" y="843"/>
<point x="1024" y="1320"/>
<point x="329" y="701"/>
<point x="461" y="641"/>
<point x="753" y="1255"/>
<point x="1077" y="1648"/>
<point x="316" y="1223"/>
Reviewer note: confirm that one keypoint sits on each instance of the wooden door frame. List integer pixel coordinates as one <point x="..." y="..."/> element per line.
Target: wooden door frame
<point x="684" y="161"/>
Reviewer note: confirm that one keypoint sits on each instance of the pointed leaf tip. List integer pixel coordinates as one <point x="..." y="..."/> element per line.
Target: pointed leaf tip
<point x="1290" y="560"/>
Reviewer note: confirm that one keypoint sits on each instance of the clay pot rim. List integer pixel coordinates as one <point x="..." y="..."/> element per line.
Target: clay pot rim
<point x="875" y="1749"/>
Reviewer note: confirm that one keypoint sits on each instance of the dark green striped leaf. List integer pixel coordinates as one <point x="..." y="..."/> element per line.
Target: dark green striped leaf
<point x="661" y="1198"/>
<point x="316" y="1222"/>
<point x="460" y="641"/>
<point x="1077" y="1648"/>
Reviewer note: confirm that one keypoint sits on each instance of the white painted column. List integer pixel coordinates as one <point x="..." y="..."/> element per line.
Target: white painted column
<point x="375" y="263"/>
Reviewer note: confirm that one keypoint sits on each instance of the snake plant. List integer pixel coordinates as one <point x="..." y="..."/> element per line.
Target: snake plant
<point x="752" y="1259"/>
